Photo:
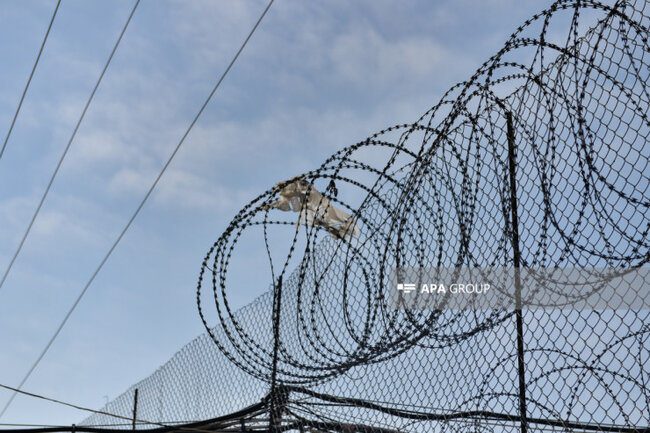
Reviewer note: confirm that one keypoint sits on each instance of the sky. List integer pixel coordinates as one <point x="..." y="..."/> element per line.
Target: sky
<point x="315" y="77"/>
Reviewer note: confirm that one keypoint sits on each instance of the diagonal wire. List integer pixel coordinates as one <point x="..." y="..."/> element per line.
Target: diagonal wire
<point x="65" y="152"/>
<point x="144" y="200"/>
<point x="31" y="223"/>
<point x="74" y="406"/>
<point x="29" y="80"/>
<point x="168" y="425"/>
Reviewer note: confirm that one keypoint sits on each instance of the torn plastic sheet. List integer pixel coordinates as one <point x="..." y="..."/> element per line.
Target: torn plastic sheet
<point x="314" y="209"/>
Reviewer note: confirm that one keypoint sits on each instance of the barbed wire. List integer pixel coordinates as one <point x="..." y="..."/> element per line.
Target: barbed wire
<point x="560" y="112"/>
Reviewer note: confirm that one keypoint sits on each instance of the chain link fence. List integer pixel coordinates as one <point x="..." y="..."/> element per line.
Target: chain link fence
<point x="539" y="160"/>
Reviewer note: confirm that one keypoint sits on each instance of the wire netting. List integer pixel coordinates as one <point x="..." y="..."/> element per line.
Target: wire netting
<point x="323" y="350"/>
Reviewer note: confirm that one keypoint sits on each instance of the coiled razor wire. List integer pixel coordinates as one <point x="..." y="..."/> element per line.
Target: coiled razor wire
<point x="325" y="343"/>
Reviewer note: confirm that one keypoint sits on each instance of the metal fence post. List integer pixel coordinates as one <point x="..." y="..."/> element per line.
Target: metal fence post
<point x="517" y="262"/>
<point x="275" y="415"/>
<point x="135" y="407"/>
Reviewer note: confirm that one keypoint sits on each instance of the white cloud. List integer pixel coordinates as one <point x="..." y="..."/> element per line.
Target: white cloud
<point x="129" y="181"/>
<point x="182" y="189"/>
<point x="366" y="59"/>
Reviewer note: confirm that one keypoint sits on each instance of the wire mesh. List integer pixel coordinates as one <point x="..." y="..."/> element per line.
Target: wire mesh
<point x="322" y="350"/>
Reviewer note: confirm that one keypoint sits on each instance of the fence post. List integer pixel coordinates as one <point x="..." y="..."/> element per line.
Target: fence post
<point x="135" y="407"/>
<point x="275" y="413"/>
<point x="517" y="262"/>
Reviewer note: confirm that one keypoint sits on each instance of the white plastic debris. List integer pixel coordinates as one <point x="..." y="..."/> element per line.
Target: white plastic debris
<point x="314" y="209"/>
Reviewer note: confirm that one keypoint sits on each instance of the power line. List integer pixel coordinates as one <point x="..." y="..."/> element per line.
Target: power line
<point x="29" y="80"/>
<point x="100" y="412"/>
<point x="65" y="152"/>
<point x="31" y="223"/>
<point x="74" y="406"/>
<point x="144" y="200"/>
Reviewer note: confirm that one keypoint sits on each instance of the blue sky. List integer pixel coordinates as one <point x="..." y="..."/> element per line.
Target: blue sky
<point x="315" y="77"/>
